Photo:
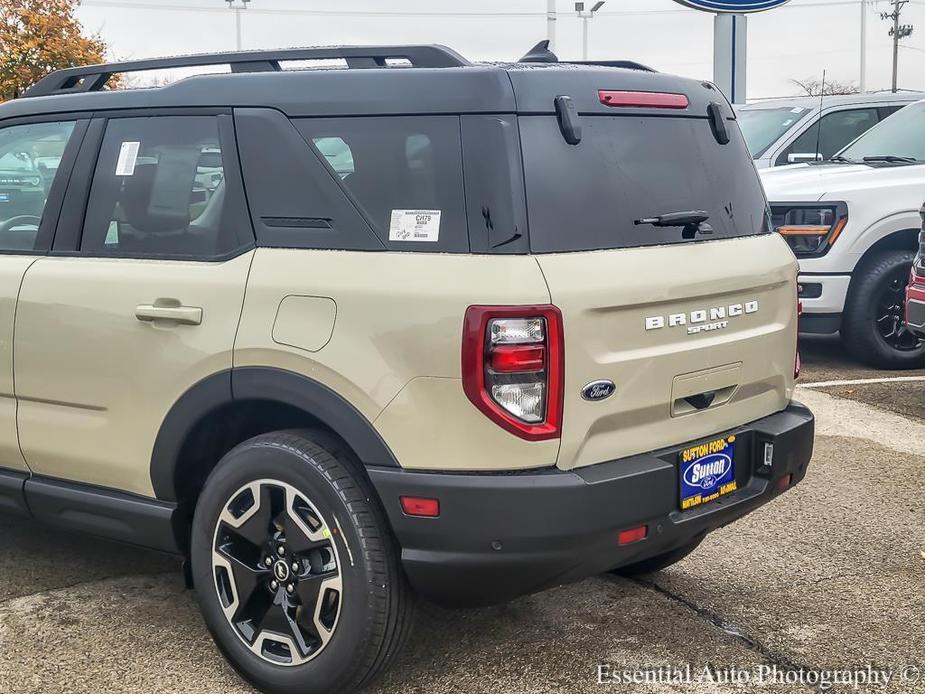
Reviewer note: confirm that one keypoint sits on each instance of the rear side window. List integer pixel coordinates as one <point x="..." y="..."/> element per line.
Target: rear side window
<point x="589" y="196"/>
<point x="831" y="133"/>
<point x="404" y="173"/>
<point x="29" y="159"/>
<point x="159" y="190"/>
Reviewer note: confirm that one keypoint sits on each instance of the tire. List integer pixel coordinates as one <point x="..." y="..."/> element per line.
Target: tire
<point x="873" y="327"/>
<point x="659" y="561"/>
<point x="316" y="536"/>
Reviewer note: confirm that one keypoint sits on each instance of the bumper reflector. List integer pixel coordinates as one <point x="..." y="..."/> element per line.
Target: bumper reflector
<point x="418" y="506"/>
<point x="784" y="482"/>
<point x="628" y="537"/>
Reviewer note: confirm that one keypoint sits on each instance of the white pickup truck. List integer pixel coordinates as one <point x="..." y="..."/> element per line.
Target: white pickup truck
<point x="853" y="222"/>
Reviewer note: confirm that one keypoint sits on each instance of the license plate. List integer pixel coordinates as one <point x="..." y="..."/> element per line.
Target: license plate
<point x="707" y="471"/>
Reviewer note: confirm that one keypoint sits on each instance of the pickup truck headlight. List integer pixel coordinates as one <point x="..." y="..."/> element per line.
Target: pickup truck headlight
<point x="809" y="228"/>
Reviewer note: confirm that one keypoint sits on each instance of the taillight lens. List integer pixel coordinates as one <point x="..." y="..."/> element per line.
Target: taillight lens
<point x="798" y="363"/>
<point x="512" y="367"/>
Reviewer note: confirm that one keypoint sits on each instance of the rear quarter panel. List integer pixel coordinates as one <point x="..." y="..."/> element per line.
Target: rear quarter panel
<point x="394" y="349"/>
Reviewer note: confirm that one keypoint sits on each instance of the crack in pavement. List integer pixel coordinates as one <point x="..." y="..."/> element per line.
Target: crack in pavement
<point x="736" y="633"/>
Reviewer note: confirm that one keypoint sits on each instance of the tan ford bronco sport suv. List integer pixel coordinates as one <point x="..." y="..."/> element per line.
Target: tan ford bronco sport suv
<point x="409" y="326"/>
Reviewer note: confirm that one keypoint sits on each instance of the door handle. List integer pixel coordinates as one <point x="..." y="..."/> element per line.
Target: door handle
<point x="183" y="315"/>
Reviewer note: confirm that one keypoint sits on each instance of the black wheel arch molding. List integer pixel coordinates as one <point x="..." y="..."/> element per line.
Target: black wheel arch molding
<point x="255" y="384"/>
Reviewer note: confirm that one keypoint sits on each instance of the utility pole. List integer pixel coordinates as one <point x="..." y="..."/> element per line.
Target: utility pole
<point x="551" y="24"/>
<point x="586" y="17"/>
<point x="237" y="18"/>
<point x="863" y="81"/>
<point x="897" y="32"/>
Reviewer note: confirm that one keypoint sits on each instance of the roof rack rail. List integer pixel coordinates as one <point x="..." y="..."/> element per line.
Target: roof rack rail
<point x="93" y="78"/>
<point x="625" y="64"/>
<point x="540" y="53"/>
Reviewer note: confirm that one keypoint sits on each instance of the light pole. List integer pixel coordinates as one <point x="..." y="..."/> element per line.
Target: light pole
<point x="863" y="83"/>
<point x="237" y="18"/>
<point x="586" y="16"/>
<point x="551" y="24"/>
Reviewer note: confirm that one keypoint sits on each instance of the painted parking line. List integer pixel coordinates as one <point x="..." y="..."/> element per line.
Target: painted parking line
<point x="862" y="382"/>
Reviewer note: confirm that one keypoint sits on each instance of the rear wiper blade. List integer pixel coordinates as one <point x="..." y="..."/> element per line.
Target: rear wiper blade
<point x="893" y="159"/>
<point x="693" y="221"/>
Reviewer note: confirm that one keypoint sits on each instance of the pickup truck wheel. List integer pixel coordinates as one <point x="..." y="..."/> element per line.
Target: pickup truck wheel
<point x="659" y="561"/>
<point x="874" y="325"/>
<point x="295" y="568"/>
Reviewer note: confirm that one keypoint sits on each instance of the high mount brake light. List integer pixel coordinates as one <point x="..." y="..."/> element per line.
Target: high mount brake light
<point x="512" y="367"/>
<point x="623" y="99"/>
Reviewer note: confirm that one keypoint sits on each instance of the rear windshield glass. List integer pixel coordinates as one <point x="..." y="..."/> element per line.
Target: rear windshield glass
<point x="762" y="127"/>
<point x="589" y="196"/>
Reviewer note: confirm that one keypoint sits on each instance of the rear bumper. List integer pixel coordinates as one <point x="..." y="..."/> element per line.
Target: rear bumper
<point x="503" y="535"/>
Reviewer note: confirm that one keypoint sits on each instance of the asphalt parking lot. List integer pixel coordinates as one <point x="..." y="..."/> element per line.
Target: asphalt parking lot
<point x="829" y="576"/>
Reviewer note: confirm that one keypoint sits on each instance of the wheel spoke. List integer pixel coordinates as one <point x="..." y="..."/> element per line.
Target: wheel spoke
<point x="309" y="589"/>
<point x="280" y="619"/>
<point x="256" y="527"/>
<point x="247" y="578"/>
<point x="297" y="540"/>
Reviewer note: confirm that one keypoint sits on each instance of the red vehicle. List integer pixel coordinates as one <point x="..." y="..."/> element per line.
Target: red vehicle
<point x="915" y="292"/>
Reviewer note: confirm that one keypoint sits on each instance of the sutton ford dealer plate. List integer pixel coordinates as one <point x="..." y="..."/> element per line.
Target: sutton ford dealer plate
<point x="707" y="471"/>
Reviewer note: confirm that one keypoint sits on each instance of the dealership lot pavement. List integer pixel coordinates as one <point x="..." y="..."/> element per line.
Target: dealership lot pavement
<point x="830" y="575"/>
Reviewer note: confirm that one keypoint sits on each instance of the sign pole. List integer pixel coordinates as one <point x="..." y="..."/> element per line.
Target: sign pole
<point x="730" y="48"/>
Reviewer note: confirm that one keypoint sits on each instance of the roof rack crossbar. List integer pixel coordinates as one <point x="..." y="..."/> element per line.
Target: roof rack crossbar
<point x="93" y="78"/>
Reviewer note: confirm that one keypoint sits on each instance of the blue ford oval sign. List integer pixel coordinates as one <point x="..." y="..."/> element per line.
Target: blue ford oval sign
<point x="733" y="6"/>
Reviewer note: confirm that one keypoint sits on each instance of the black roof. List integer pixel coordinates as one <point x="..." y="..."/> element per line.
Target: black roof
<point x="427" y="80"/>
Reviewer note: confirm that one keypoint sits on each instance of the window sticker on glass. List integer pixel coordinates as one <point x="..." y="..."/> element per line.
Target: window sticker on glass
<point x="415" y="225"/>
<point x="128" y="154"/>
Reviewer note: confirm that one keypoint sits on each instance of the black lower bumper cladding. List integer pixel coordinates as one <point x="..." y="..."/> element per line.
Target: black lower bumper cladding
<point x="499" y="536"/>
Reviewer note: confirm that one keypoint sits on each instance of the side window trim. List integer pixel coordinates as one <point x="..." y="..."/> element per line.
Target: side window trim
<point x="74" y="206"/>
<point x="69" y="233"/>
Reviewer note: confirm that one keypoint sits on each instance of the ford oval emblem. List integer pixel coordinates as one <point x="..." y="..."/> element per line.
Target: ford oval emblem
<point x="598" y="390"/>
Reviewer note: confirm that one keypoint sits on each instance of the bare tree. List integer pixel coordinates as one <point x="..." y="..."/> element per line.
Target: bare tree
<point x="814" y="87"/>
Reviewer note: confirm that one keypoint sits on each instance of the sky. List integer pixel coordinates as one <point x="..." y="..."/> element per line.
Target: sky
<point x="796" y="41"/>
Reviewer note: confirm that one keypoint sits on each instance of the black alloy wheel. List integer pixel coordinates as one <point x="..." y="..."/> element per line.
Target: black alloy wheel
<point x="277" y="572"/>
<point x="891" y="313"/>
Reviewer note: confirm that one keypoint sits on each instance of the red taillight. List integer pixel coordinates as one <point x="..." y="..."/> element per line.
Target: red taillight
<point x="642" y="99"/>
<point x="517" y="358"/>
<point x="628" y="537"/>
<point x="512" y="367"/>
<point x="419" y="506"/>
<point x="798" y="363"/>
<point x="915" y="291"/>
